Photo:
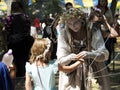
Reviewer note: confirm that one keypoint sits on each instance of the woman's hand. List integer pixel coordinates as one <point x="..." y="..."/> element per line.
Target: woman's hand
<point x="104" y="18"/>
<point x="82" y="55"/>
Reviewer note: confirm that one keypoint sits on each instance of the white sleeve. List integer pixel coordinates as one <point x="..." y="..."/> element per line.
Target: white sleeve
<point x="28" y="68"/>
<point x="64" y="55"/>
<point x="99" y="52"/>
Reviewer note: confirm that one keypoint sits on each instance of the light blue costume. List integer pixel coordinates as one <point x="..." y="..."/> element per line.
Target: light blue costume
<point x="47" y="75"/>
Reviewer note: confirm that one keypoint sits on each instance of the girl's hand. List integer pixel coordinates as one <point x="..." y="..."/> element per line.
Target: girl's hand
<point x="81" y="60"/>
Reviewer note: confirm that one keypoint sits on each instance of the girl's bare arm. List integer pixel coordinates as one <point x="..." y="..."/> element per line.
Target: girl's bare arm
<point x="71" y="67"/>
<point x="28" y="85"/>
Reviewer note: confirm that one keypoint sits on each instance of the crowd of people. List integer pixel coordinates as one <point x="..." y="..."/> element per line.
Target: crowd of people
<point x="80" y="52"/>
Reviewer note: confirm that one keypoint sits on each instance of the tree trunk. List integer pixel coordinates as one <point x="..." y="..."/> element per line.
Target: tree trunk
<point x="113" y="6"/>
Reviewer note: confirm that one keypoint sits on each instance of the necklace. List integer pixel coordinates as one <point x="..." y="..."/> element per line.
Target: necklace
<point x="78" y="45"/>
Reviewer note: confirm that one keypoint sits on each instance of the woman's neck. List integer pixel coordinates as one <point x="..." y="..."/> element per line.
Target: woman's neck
<point x="78" y="35"/>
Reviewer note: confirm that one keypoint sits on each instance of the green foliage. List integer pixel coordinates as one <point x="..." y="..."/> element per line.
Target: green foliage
<point x="42" y="8"/>
<point x="52" y="7"/>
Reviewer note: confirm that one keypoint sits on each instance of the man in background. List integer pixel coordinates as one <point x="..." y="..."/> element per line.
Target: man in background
<point x="68" y="5"/>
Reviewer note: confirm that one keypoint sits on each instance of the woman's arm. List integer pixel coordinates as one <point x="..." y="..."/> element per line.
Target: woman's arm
<point x="64" y="55"/>
<point x="70" y="68"/>
<point x="28" y="84"/>
<point x="113" y="32"/>
<point x="98" y="53"/>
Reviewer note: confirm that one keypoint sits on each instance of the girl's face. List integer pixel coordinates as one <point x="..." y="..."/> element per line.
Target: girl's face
<point x="74" y="24"/>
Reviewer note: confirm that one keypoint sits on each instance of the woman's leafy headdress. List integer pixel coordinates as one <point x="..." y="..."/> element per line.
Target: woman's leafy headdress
<point x="73" y="13"/>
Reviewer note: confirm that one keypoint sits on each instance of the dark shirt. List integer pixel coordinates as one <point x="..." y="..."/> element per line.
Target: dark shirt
<point x="17" y="24"/>
<point x="5" y="79"/>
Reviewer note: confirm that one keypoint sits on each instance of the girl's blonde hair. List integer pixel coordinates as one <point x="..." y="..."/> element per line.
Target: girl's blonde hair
<point x="39" y="50"/>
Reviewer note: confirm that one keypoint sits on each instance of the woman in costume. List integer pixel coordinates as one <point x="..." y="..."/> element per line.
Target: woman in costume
<point x="78" y="39"/>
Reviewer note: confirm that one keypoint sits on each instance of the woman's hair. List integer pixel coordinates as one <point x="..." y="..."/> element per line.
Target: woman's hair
<point x="68" y="4"/>
<point x="94" y="12"/>
<point x="72" y="13"/>
<point x="40" y="49"/>
<point x="106" y="6"/>
<point x="16" y="7"/>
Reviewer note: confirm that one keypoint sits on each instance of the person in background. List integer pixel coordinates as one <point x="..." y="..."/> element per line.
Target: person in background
<point x="68" y="5"/>
<point x="98" y="19"/>
<point x="7" y="59"/>
<point x="47" y="28"/>
<point x="5" y="79"/>
<point x="33" y="31"/>
<point x="76" y="40"/>
<point x="37" y="24"/>
<point x="51" y="33"/>
<point x="41" y="71"/>
<point x="109" y="40"/>
<point x="116" y="24"/>
<point x="51" y="16"/>
<point x="17" y="27"/>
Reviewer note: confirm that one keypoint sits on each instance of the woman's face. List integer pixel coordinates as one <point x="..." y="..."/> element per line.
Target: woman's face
<point x="103" y="2"/>
<point x="74" y="24"/>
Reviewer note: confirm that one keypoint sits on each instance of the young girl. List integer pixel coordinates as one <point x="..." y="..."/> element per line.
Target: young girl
<point x="41" y="71"/>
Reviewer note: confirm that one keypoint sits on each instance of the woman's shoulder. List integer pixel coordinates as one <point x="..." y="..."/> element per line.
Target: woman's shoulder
<point x="108" y="11"/>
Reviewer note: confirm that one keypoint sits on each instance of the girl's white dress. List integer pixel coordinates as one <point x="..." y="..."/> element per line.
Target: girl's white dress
<point x="47" y="76"/>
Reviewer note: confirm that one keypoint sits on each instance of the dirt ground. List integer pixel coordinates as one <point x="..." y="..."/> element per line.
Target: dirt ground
<point x="115" y="75"/>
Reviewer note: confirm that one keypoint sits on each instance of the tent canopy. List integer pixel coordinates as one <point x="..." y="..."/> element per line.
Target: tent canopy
<point x="88" y="3"/>
<point x="3" y="6"/>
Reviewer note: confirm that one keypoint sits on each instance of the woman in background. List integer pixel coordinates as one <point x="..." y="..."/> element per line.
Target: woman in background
<point x="109" y="38"/>
<point x="17" y="27"/>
